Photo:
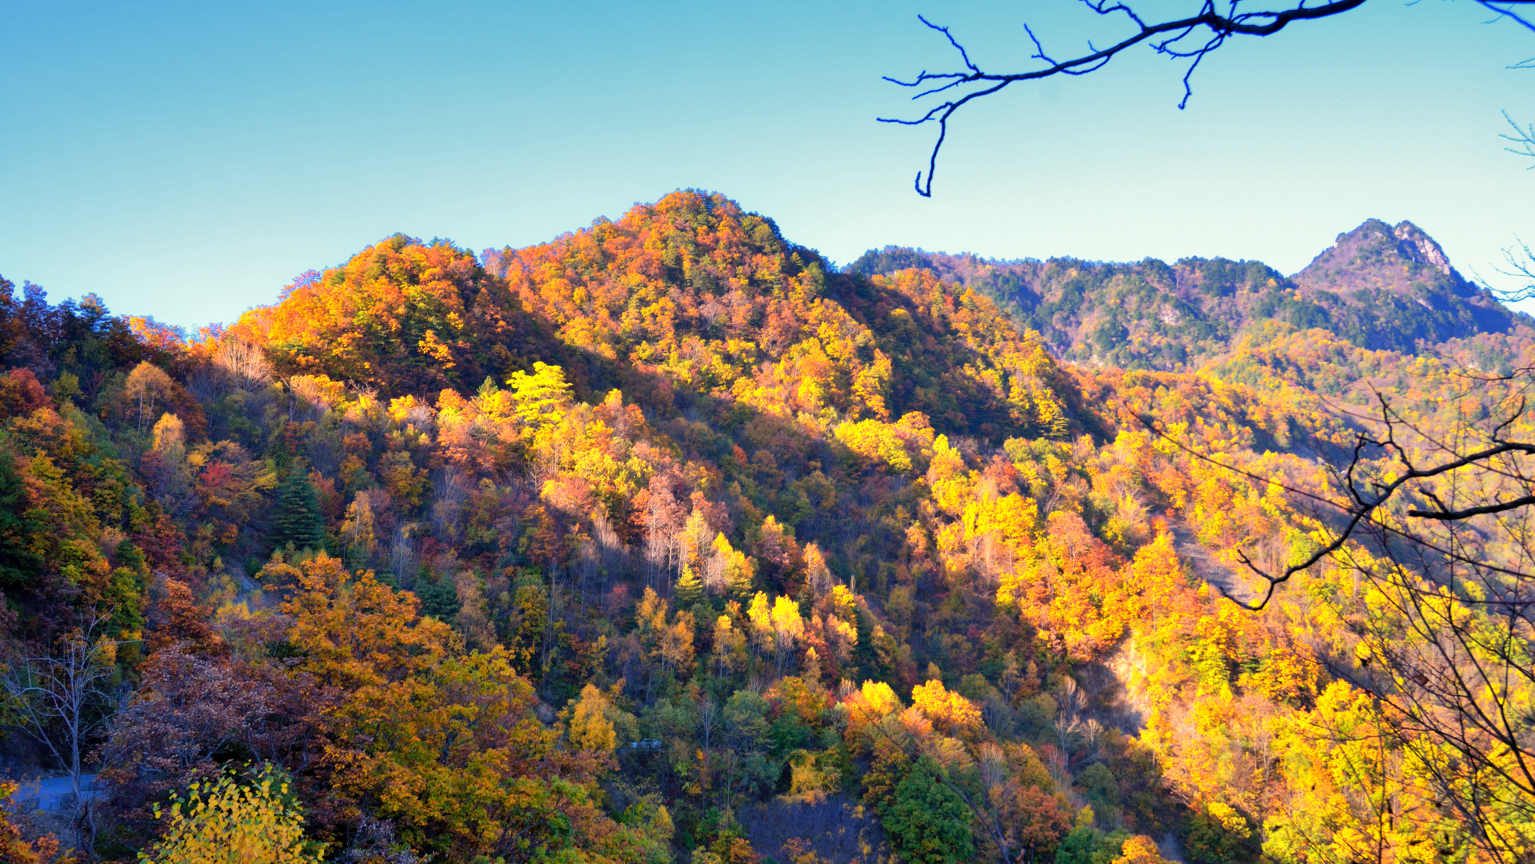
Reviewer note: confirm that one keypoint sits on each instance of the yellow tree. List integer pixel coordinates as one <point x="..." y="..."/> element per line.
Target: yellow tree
<point x="539" y="398"/>
<point x="729" y="647"/>
<point x="589" y="727"/>
<point x="950" y="713"/>
<point x="788" y="628"/>
<point x="235" y="820"/>
<point x="359" y="632"/>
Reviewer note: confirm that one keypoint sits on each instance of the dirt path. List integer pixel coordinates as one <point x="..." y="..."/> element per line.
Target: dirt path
<point x="1216" y="574"/>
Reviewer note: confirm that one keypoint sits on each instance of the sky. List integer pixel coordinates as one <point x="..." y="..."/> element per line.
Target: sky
<point x="188" y="160"/>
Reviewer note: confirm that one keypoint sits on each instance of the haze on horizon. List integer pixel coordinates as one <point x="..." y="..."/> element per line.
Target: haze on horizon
<point x="186" y="162"/>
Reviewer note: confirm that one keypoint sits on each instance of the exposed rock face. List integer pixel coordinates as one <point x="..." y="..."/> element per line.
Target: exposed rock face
<point x="1427" y="251"/>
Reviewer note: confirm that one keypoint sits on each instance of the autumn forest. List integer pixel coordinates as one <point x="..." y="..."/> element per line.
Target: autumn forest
<point x="670" y="541"/>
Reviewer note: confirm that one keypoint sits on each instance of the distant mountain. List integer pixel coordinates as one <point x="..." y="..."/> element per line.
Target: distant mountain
<point x="1385" y="287"/>
<point x="1378" y="287"/>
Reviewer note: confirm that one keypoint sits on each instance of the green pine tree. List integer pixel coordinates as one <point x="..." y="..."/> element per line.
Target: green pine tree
<point x="739" y="578"/>
<point x="439" y="598"/>
<point x="18" y="564"/>
<point x="928" y="823"/>
<point x="689" y="588"/>
<point x="298" y="519"/>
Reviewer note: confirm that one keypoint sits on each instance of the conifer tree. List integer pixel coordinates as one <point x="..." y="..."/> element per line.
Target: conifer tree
<point x="738" y="579"/>
<point x="298" y="519"/>
<point x="17" y="562"/>
<point x="738" y="572"/>
<point x="928" y="823"/>
<point x="689" y="588"/>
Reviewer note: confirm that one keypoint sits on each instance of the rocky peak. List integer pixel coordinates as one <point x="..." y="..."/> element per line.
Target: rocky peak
<point x="1420" y="248"/>
<point x="1402" y="260"/>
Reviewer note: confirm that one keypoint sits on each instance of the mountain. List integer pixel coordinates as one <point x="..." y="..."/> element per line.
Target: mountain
<point x="685" y="299"/>
<point x="665" y="541"/>
<point x="1383" y="287"/>
<point x="1377" y="287"/>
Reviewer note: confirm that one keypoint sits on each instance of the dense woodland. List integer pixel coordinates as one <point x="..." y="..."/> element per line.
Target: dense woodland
<point x="668" y="541"/>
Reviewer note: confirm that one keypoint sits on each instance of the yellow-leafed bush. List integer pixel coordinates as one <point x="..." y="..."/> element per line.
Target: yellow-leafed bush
<point x="235" y="819"/>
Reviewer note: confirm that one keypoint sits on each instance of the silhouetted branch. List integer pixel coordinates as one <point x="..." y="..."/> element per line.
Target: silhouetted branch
<point x="1364" y="503"/>
<point x="1185" y="38"/>
<point x="1467" y="513"/>
<point x="1505" y="9"/>
<point x="1519" y="258"/>
<point x="1190" y="38"/>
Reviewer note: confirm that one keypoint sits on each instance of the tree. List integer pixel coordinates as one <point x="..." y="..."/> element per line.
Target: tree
<point x="1187" y="38"/>
<point x="19" y="564"/>
<point x="1034" y="821"/>
<point x="540" y="398"/>
<point x="235" y="819"/>
<point x="455" y="756"/>
<point x="1140" y="849"/>
<point x="950" y="713"/>
<point x="1087" y="845"/>
<point x="188" y="709"/>
<point x="61" y="698"/>
<point x="1424" y="561"/>
<point x="358" y="632"/>
<point x="17" y="849"/>
<point x="788" y="628"/>
<point x="447" y="746"/>
<point x="689" y="588"/>
<point x="298" y="519"/>
<point x="589" y="727"/>
<point x="147" y="387"/>
<point x="927" y="822"/>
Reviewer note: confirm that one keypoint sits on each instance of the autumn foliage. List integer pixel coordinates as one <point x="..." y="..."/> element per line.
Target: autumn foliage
<point x="666" y="540"/>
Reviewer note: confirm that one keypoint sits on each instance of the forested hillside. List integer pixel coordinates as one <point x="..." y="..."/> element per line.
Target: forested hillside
<point x="1378" y="287"/>
<point x="667" y="541"/>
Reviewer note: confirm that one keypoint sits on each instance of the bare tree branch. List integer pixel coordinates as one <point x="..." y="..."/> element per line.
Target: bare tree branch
<point x="61" y="699"/>
<point x="1523" y="140"/>
<point x="1466" y="513"/>
<point x="1505" y="9"/>
<point x="1185" y="39"/>
<point x="1188" y="38"/>
<point x="1440" y="599"/>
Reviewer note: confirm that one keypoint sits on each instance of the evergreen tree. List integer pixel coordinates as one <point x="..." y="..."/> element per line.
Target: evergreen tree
<point x="927" y="822"/>
<point x="18" y="564"/>
<point x="738" y="579"/>
<point x="439" y="598"/>
<point x="689" y="588"/>
<point x="298" y="519"/>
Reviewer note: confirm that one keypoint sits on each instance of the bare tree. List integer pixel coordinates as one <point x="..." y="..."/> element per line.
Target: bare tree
<point x="61" y="697"/>
<point x="1188" y="38"/>
<point x="243" y="364"/>
<point x="1523" y="140"/>
<point x="404" y="561"/>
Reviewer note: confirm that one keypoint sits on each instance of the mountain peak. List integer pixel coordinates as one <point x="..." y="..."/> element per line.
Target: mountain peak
<point x="1417" y="245"/>
<point x="1402" y="260"/>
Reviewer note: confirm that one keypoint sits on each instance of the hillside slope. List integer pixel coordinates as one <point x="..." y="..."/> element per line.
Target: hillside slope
<point x="662" y="542"/>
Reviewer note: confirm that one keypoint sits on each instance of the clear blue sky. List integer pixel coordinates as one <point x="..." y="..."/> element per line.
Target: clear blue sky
<point x="186" y="160"/>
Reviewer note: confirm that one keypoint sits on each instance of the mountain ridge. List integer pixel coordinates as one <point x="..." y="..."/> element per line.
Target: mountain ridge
<point x="1378" y="287"/>
<point x="663" y="541"/>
